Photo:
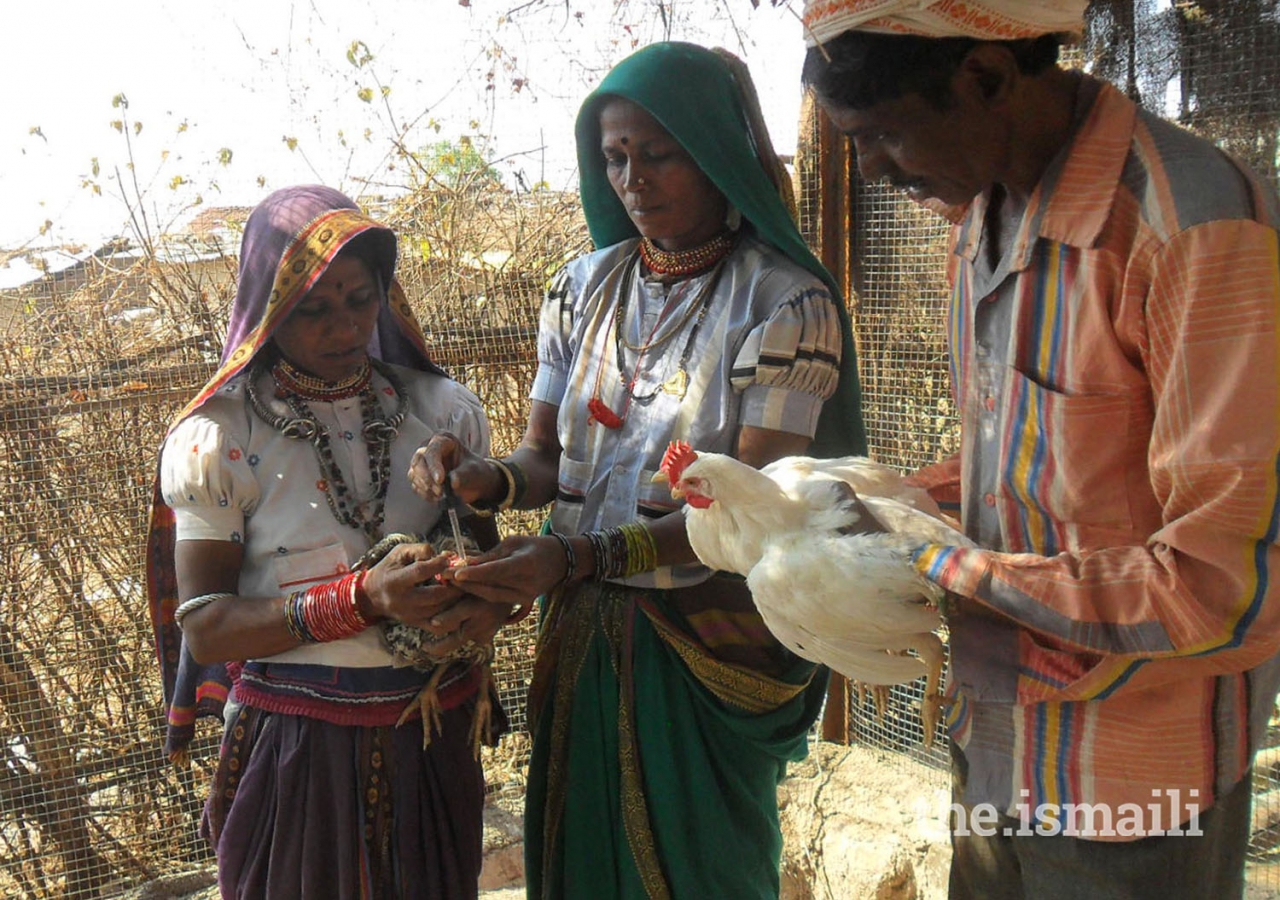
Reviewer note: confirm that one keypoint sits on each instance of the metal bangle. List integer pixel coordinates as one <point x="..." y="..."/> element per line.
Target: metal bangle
<point x="189" y="606"/>
<point x="521" y="483"/>
<point x="570" y="558"/>
<point x="488" y="508"/>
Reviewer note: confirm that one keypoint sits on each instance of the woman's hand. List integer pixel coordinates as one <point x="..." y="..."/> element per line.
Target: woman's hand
<point x="470" y="619"/>
<point x="404" y="586"/>
<point x="472" y="478"/>
<point x="517" y="571"/>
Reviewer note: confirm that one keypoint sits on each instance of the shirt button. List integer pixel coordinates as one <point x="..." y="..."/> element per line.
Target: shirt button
<point x="990" y="404"/>
<point x="989" y="499"/>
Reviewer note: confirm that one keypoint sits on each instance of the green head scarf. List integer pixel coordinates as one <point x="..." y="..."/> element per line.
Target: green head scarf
<point x="693" y="94"/>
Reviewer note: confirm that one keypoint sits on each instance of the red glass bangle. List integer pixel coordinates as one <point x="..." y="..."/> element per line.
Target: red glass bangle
<point x="331" y="611"/>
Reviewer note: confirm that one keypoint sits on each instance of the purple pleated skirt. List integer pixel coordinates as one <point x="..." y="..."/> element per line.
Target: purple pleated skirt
<point x="302" y="808"/>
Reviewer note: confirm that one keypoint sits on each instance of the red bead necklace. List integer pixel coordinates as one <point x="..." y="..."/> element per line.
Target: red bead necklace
<point x="683" y="263"/>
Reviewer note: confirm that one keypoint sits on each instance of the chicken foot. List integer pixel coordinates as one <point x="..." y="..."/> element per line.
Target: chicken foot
<point x="879" y="696"/>
<point x="427" y="705"/>
<point x="929" y="648"/>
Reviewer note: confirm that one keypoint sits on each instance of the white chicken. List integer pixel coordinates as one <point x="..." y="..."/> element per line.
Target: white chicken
<point x="852" y="601"/>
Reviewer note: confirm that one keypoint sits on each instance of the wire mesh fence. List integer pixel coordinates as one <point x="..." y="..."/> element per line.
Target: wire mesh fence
<point x="86" y="393"/>
<point x="96" y="358"/>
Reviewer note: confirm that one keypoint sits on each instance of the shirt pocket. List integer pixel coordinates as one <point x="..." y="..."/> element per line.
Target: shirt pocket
<point x="1066" y="455"/>
<point x="653" y="498"/>
<point x="298" y="571"/>
<point x="574" y="483"/>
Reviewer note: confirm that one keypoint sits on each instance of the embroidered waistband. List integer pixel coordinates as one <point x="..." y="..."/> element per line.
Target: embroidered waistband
<point x="347" y="696"/>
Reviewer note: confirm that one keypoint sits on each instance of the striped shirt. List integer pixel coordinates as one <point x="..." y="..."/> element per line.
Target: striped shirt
<point x="1118" y="375"/>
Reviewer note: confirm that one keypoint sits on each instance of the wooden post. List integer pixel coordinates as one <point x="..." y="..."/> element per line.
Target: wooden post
<point x="835" y="717"/>
<point x="833" y="167"/>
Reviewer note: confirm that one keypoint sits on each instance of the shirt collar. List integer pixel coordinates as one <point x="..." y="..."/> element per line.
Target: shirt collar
<point x="1074" y="198"/>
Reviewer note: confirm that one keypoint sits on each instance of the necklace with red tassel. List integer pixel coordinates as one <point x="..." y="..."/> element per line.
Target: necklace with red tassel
<point x="599" y="410"/>
<point x="678" y="383"/>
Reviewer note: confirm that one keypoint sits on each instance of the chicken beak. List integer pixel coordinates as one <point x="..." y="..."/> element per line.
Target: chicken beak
<point x="661" y="477"/>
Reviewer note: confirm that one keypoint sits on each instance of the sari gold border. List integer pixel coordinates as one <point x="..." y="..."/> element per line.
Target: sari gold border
<point x="572" y="620"/>
<point x="749" y="691"/>
<point x="561" y="653"/>
<point x="619" y="619"/>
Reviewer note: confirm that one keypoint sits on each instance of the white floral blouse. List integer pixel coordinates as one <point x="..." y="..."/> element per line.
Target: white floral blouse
<point x="230" y="476"/>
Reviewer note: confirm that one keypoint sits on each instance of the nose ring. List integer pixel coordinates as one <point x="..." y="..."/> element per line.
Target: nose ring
<point x="640" y="180"/>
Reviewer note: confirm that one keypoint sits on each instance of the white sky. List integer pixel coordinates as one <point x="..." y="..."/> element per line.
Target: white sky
<point x="246" y="74"/>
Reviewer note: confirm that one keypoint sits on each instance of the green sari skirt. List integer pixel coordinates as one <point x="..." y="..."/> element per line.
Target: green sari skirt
<point x="663" y="722"/>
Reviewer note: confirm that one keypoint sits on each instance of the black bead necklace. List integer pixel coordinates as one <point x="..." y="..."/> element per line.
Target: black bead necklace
<point x="378" y="431"/>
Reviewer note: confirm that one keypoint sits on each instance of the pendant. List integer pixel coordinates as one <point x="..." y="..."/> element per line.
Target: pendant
<point x="677" y="384"/>
<point x="603" y="414"/>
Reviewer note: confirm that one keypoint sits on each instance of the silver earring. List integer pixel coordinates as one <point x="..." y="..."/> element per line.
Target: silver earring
<point x="733" y="218"/>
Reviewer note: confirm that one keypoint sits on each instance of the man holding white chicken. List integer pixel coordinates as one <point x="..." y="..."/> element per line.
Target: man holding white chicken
<point x="1115" y="339"/>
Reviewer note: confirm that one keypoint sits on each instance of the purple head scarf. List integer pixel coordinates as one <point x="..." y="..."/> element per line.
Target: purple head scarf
<point x="302" y="228"/>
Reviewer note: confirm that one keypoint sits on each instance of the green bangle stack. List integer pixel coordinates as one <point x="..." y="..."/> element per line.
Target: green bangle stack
<point x="623" y="551"/>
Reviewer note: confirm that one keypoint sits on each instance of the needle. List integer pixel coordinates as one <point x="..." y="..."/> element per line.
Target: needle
<point x="451" y="499"/>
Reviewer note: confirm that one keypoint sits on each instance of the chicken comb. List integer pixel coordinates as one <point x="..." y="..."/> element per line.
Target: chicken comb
<point x="679" y="454"/>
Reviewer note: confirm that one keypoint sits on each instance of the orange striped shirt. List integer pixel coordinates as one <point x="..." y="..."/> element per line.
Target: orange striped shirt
<point x="1119" y="388"/>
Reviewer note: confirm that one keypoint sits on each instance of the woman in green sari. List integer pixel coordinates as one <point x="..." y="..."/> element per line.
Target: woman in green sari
<point x="663" y="711"/>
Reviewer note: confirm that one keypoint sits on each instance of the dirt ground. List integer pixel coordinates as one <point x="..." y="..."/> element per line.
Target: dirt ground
<point x="858" y="823"/>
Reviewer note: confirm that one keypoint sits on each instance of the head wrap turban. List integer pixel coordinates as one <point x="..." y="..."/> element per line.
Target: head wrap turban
<point x="992" y="20"/>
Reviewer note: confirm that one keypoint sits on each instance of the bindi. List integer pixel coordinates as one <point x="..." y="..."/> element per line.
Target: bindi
<point x="626" y="141"/>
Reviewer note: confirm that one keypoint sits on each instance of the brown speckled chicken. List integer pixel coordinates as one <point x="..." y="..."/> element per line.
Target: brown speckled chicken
<point x="413" y="646"/>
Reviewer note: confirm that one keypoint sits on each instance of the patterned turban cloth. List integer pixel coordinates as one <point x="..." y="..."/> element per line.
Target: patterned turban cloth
<point x="992" y="20"/>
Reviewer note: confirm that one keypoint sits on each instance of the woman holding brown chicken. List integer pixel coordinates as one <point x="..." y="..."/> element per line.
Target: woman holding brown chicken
<point x="663" y="712"/>
<point x="277" y="485"/>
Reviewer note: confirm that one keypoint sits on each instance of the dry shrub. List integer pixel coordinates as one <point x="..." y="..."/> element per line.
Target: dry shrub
<point x="85" y="391"/>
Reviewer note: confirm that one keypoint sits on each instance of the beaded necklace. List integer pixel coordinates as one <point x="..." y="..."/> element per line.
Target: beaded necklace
<point x="293" y="379"/>
<point x="683" y="263"/>
<point x="378" y="430"/>
<point x="678" y="383"/>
